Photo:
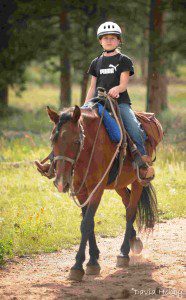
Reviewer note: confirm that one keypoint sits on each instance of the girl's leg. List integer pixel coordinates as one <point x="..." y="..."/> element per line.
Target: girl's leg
<point x="138" y="136"/>
<point x="133" y="127"/>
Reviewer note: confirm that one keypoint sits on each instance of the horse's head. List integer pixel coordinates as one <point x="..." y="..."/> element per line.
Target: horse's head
<point x="67" y="140"/>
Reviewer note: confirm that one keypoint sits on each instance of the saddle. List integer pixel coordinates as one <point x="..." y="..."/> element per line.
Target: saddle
<point x="151" y="126"/>
<point x="149" y="123"/>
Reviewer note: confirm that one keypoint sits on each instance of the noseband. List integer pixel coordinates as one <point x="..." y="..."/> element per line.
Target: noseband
<point x="65" y="158"/>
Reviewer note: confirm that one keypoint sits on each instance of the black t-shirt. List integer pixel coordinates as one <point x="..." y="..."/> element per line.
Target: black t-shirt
<point x="108" y="69"/>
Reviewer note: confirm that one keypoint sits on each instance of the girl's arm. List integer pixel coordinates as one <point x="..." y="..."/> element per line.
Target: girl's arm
<point x="92" y="88"/>
<point x="124" y="79"/>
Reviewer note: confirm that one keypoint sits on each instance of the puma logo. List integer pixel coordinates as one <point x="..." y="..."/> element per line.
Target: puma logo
<point x="112" y="66"/>
<point x="111" y="69"/>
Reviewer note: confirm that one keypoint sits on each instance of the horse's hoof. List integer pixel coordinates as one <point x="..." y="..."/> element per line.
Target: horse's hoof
<point x="136" y="245"/>
<point x="122" y="261"/>
<point x="93" y="270"/>
<point x="76" y="275"/>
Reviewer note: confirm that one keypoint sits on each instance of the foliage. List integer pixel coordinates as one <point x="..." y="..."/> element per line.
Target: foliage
<point x="33" y="33"/>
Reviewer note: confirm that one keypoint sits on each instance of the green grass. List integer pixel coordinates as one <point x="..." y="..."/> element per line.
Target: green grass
<point x="37" y="98"/>
<point x="34" y="217"/>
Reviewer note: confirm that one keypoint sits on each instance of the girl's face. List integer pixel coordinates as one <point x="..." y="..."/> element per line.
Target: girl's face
<point x="109" y="42"/>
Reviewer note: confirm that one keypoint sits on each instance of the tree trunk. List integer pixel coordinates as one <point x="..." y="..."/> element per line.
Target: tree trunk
<point x="4" y="97"/>
<point x="65" y="82"/>
<point x="143" y="54"/>
<point x="156" y="81"/>
<point x="65" y="77"/>
<point x="6" y="10"/>
<point x="157" y="93"/>
<point x="84" y="84"/>
<point x="143" y="68"/>
<point x="163" y="88"/>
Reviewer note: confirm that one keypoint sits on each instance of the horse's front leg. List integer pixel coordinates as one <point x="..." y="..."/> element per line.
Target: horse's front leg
<point x="87" y="230"/>
<point x="93" y="267"/>
<point x="136" y="190"/>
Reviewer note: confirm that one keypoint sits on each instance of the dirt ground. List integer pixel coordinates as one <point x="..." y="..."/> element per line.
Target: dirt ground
<point x="156" y="273"/>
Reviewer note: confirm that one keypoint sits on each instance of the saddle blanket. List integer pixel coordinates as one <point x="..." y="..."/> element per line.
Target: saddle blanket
<point x="109" y="122"/>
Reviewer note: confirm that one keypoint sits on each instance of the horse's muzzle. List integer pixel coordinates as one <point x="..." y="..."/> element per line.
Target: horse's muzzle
<point x="62" y="188"/>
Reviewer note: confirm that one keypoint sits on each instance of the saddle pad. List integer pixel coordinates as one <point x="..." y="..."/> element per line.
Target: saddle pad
<point x="110" y="124"/>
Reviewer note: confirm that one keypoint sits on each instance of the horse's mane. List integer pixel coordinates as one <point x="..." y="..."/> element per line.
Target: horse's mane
<point x="65" y="116"/>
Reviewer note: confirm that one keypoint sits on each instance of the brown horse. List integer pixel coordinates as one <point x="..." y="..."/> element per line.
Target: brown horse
<point x="72" y="138"/>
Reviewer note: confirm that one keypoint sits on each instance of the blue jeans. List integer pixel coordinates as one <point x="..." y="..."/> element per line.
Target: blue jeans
<point x="133" y="127"/>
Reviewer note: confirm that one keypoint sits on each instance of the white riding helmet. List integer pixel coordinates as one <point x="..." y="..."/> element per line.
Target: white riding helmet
<point x="109" y="28"/>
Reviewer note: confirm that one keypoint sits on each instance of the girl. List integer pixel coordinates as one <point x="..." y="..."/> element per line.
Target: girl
<point x="111" y="71"/>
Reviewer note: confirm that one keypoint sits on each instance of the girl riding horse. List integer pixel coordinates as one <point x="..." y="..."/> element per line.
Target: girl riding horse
<point x="72" y="144"/>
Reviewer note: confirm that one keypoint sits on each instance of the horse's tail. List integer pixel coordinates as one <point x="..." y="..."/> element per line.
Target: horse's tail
<point x="147" y="212"/>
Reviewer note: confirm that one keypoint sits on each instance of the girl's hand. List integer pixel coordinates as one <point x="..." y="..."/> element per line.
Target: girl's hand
<point x="114" y="92"/>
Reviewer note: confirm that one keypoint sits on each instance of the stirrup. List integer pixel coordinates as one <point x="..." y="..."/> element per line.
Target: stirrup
<point x="149" y="176"/>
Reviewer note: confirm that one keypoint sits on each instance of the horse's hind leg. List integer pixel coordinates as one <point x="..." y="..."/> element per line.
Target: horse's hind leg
<point x="125" y="195"/>
<point x="130" y="200"/>
<point x="93" y="267"/>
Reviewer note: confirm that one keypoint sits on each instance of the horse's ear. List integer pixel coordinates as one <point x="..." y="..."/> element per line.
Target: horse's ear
<point x="54" y="117"/>
<point x="76" y="114"/>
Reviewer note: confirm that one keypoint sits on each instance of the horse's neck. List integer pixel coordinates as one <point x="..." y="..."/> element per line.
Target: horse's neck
<point x="91" y="125"/>
<point x="90" y="121"/>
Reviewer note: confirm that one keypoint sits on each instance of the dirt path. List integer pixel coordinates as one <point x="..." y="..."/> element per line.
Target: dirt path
<point x="157" y="273"/>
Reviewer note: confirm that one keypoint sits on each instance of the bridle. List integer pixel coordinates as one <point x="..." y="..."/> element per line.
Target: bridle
<point x="73" y="161"/>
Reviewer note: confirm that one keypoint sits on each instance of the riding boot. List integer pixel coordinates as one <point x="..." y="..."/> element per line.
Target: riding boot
<point x="45" y="169"/>
<point x="42" y="168"/>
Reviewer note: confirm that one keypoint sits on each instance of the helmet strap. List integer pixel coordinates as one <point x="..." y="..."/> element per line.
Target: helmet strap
<point x="109" y="51"/>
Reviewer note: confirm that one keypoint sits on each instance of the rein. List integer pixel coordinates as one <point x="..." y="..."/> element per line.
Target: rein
<point x="73" y="194"/>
